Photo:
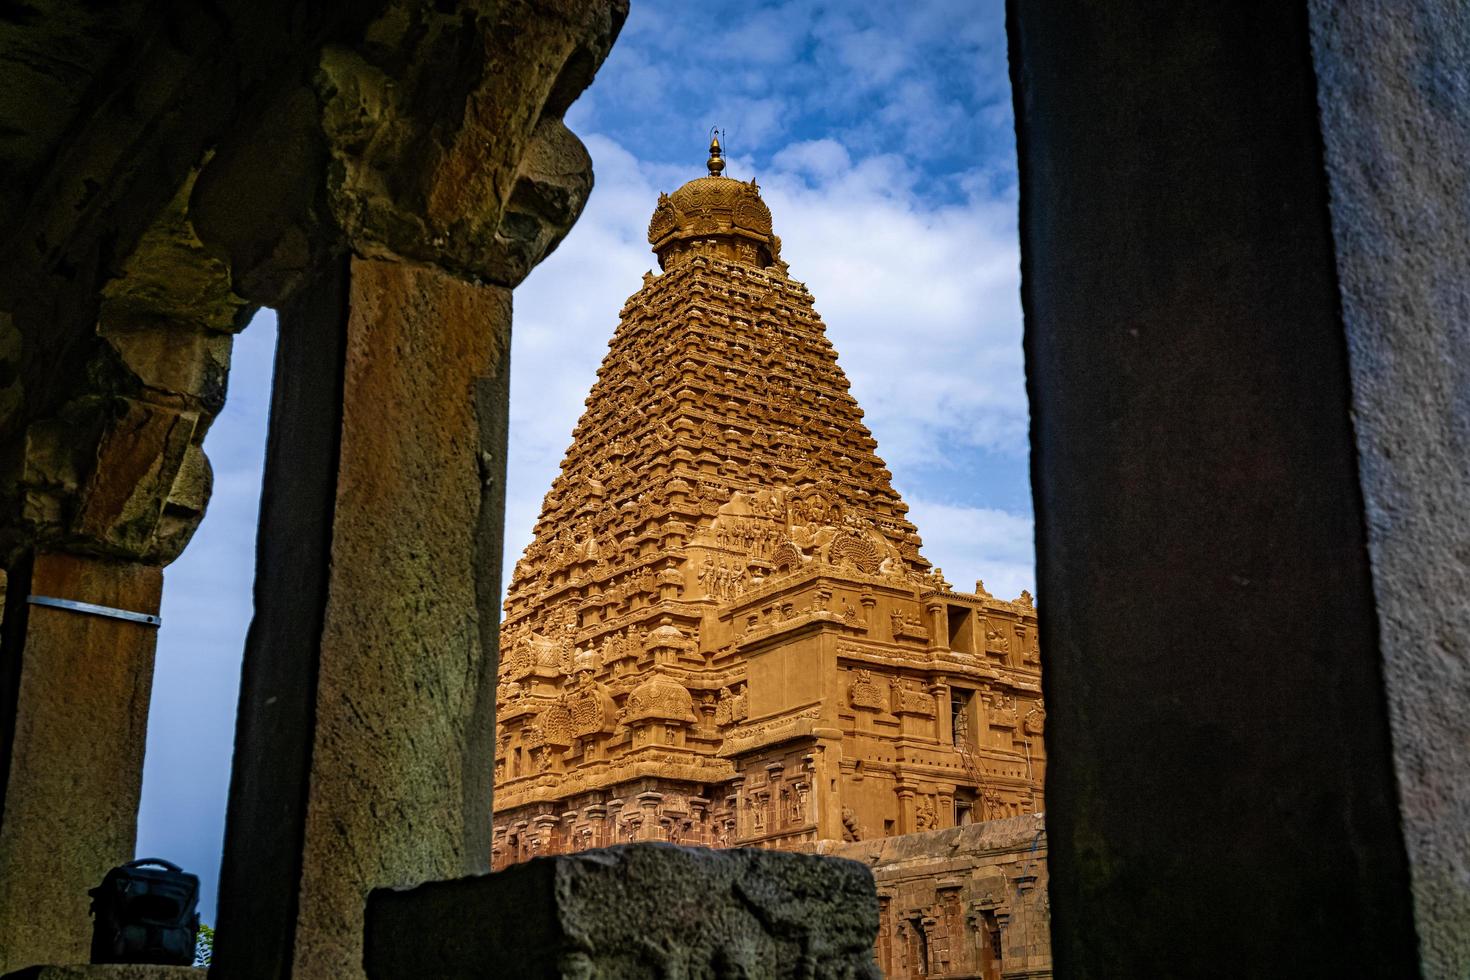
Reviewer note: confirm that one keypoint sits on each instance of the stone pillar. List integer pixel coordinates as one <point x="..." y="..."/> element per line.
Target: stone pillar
<point x="543" y="835"/>
<point x="74" y="692"/>
<point x="648" y="807"/>
<point x="596" y="816"/>
<point x="825" y="771"/>
<point x="522" y="834"/>
<point x="365" y="727"/>
<point x="938" y="626"/>
<point x="499" y="853"/>
<point x="614" y="824"/>
<point x="942" y="710"/>
<point x="1402" y="248"/>
<point x="1244" y="269"/>
<point x="700" y="820"/>
<point x="906" y="822"/>
<point x="728" y="831"/>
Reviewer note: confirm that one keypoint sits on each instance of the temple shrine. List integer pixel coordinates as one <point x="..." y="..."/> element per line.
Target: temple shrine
<point x="724" y="632"/>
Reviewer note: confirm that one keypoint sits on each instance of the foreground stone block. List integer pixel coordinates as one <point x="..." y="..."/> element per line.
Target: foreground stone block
<point x="642" y="910"/>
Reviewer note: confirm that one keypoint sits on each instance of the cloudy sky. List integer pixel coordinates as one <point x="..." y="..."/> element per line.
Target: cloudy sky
<point x="881" y="137"/>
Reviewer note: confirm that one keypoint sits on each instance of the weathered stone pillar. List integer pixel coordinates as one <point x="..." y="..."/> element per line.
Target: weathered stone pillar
<point x="826" y="778"/>
<point x="74" y="691"/>
<point x="366" y="701"/>
<point x="109" y="489"/>
<point x="364" y="745"/>
<point x="544" y="835"/>
<point x="648" y="804"/>
<point x="1389" y="95"/>
<point x="1244" y="255"/>
<point x="614" y="822"/>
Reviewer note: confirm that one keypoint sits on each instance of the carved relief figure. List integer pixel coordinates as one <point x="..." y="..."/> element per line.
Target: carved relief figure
<point x="907" y="625"/>
<point x="863" y="693"/>
<point x="995" y="639"/>
<point x="924" y="818"/>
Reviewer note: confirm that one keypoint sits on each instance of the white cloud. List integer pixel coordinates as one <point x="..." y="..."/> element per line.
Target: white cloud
<point x="922" y="303"/>
<point x="978" y="542"/>
<point x="822" y="159"/>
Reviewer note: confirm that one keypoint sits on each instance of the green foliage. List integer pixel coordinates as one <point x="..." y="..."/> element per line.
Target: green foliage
<point x="204" y="947"/>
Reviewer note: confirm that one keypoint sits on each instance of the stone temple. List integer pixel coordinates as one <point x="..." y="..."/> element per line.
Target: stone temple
<point x="1245" y="271"/>
<point x="724" y="632"/>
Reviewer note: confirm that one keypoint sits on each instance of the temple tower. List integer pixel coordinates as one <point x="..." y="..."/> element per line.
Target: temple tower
<point x="724" y="632"/>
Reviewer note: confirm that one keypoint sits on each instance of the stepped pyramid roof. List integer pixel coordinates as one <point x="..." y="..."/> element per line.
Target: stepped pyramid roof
<point x="722" y="510"/>
<point x="720" y="395"/>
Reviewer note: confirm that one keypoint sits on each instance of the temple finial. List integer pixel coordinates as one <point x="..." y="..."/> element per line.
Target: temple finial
<point x="716" y="158"/>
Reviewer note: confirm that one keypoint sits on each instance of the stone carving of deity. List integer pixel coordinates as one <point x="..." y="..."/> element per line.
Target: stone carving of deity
<point x="924" y="818"/>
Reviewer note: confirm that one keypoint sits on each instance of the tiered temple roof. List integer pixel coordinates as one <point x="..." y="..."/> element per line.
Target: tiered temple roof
<point x="724" y="625"/>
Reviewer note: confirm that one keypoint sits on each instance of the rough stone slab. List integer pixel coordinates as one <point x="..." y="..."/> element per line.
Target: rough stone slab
<point x="108" y="971"/>
<point x="634" y="911"/>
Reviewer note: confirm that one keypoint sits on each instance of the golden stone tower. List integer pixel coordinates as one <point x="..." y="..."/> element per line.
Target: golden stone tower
<point x="724" y="632"/>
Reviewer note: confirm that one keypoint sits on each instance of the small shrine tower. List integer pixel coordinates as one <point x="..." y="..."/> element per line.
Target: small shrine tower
<point x="724" y="632"/>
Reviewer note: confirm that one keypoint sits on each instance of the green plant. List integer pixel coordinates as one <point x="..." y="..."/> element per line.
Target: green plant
<point x="204" y="945"/>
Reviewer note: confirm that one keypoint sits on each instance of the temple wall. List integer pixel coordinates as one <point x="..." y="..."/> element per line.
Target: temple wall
<point x="963" y="902"/>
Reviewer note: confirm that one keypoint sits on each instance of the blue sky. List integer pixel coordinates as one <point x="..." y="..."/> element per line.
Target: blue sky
<point x="881" y="136"/>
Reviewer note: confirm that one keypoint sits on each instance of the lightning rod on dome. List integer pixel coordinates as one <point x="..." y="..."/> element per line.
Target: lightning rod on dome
<point x="716" y="155"/>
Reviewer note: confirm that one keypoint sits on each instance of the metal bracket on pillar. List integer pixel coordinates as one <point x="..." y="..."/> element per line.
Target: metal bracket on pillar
<point x="92" y="609"/>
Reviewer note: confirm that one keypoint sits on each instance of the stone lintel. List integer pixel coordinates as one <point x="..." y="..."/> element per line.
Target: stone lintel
<point x="640" y="910"/>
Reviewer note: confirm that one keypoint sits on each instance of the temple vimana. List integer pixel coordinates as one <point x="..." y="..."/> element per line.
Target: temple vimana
<point x="724" y="632"/>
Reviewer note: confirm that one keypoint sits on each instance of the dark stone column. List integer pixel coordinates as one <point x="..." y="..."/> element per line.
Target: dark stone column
<point x="1221" y="780"/>
<point x="260" y="878"/>
<point x="365" y="732"/>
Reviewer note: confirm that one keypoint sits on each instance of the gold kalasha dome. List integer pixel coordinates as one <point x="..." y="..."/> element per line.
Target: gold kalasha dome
<point x="724" y="632"/>
<point x="725" y="216"/>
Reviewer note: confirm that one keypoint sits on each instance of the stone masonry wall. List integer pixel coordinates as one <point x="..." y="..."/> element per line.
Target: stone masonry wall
<point x="963" y="902"/>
